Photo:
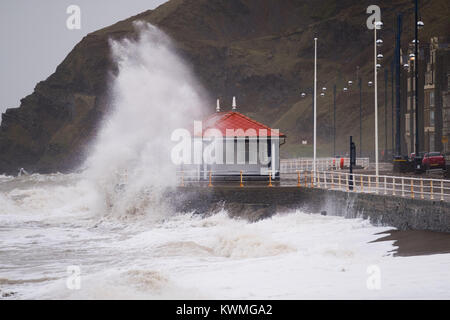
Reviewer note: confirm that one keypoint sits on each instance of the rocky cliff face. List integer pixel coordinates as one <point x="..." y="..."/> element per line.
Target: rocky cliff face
<point x="258" y="50"/>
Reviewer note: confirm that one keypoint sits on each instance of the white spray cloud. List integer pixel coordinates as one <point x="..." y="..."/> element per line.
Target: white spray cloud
<point x="153" y="93"/>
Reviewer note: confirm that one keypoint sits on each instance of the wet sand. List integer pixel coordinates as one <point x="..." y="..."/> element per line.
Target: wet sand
<point x="417" y="243"/>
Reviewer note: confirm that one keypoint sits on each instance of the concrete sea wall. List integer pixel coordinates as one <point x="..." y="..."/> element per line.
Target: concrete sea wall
<point x="258" y="202"/>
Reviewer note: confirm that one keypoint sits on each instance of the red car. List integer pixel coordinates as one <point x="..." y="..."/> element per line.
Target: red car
<point x="433" y="160"/>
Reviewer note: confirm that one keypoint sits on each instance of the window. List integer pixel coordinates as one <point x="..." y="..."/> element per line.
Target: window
<point x="432" y="118"/>
<point x="446" y="114"/>
<point x="432" y="99"/>
<point x="407" y="128"/>
<point x="434" y="154"/>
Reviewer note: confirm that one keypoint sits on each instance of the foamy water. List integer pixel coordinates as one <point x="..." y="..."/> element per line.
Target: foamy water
<point x="48" y="223"/>
<point x="111" y="221"/>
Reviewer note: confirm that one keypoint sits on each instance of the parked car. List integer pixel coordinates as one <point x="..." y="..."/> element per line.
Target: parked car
<point x="433" y="160"/>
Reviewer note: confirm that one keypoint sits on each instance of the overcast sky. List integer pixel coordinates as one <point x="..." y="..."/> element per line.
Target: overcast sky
<point x="36" y="39"/>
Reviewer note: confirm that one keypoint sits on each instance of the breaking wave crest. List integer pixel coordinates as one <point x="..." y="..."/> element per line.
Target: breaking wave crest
<point x="153" y="93"/>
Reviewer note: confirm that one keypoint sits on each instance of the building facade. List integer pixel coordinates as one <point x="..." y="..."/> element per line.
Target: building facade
<point x="433" y="77"/>
<point x="436" y="103"/>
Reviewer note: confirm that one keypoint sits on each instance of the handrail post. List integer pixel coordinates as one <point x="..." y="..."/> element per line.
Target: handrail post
<point x="368" y="187"/>
<point x="332" y="180"/>
<point x="210" y="180"/>
<point x="403" y="187"/>
<point x="339" y="177"/>
<point x="318" y="179"/>
<point x="385" y="185"/>
<point x="306" y="179"/>
<point x="376" y="185"/>
<point x="362" y="183"/>
<point x="431" y="190"/>
<point x="242" y="184"/>
<point x="182" y="179"/>
<point x="412" y="189"/>
<point x="393" y="186"/>
<point x="442" y="190"/>
<point x="348" y="182"/>
<point x="298" y="178"/>
<point x="270" y="179"/>
<point x="421" y="189"/>
<point x="325" y="179"/>
<point x="311" y="184"/>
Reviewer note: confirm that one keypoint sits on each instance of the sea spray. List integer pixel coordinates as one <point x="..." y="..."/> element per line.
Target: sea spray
<point x="152" y="94"/>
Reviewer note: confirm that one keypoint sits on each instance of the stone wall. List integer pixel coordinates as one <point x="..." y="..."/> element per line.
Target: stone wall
<point x="254" y="203"/>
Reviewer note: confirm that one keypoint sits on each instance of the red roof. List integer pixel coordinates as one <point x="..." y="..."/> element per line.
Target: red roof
<point x="234" y="121"/>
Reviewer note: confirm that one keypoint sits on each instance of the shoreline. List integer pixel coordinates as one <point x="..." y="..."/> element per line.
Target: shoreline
<point x="416" y="242"/>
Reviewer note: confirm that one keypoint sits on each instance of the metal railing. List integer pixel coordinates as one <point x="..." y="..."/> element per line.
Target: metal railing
<point x="323" y="164"/>
<point x="411" y="187"/>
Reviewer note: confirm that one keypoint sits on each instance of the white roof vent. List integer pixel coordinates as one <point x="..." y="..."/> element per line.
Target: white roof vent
<point x="234" y="103"/>
<point x="218" y="106"/>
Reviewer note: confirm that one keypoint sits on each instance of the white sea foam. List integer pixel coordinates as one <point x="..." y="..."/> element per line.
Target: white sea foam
<point x="152" y="94"/>
<point x="294" y="255"/>
<point x="118" y="231"/>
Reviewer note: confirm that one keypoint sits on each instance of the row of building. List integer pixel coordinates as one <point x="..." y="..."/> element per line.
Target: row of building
<point x="433" y="95"/>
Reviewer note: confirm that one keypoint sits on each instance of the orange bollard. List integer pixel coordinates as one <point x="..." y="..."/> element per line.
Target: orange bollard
<point x="306" y="179"/>
<point x="210" y="180"/>
<point x="298" y="179"/>
<point x="242" y="184"/>
<point x="270" y="179"/>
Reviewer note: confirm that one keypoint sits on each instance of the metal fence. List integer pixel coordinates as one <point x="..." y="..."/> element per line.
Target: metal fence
<point x="322" y="164"/>
<point x="411" y="187"/>
<point x="420" y="188"/>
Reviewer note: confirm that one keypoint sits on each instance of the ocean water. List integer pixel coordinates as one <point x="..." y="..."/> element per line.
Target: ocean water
<point x="49" y="223"/>
<point x="107" y="233"/>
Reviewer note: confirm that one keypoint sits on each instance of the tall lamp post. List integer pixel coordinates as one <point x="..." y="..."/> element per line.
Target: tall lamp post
<point x="360" y="116"/>
<point x="377" y="43"/>
<point x="417" y="25"/>
<point x="386" y="76"/>
<point x="315" y="107"/>
<point x="334" y="121"/>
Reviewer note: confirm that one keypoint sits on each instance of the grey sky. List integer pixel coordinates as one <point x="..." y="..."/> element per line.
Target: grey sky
<point x="35" y="38"/>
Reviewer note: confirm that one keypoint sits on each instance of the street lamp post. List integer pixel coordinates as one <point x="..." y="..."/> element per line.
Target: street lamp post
<point x="386" y="76"/>
<point x="315" y="108"/>
<point x="392" y="107"/>
<point x="378" y="25"/>
<point x="418" y="24"/>
<point x="334" y="121"/>
<point x="360" y="117"/>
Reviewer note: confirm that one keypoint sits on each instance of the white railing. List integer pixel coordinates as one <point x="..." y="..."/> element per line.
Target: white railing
<point x="411" y="187"/>
<point x="323" y="164"/>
